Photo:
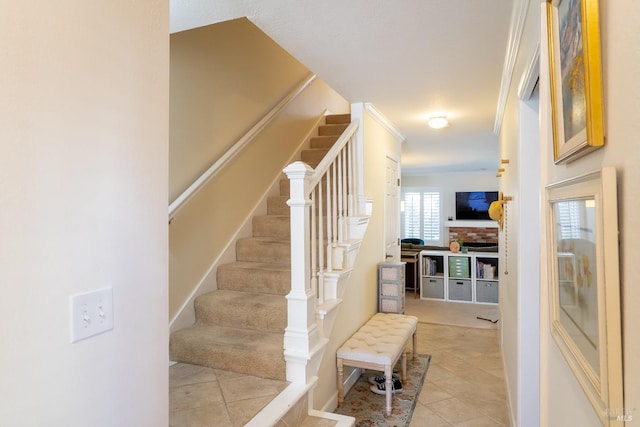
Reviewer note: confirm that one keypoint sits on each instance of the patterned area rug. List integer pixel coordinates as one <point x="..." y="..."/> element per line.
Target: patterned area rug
<point x="368" y="407"/>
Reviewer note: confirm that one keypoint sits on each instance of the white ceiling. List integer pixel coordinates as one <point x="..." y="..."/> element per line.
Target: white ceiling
<point x="408" y="58"/>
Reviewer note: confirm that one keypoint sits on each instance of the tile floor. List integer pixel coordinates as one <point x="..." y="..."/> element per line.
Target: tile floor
<point x="464" y="385"/>
<point x="200" y="396"/>
<point x="465" y="381"/>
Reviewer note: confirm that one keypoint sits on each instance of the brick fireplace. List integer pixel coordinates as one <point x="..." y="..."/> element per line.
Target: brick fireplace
<point x="481" y="236"/>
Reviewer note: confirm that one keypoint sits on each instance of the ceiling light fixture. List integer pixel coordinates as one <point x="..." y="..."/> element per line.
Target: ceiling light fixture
<point x="438" y="122"/>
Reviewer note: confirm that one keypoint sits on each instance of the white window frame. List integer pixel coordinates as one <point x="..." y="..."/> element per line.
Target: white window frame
<point x="421" y="191"/>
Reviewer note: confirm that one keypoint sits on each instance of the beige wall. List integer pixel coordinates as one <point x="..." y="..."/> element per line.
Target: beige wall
<point x="224" y="78"/>
<point x="360" y="300"/>
<point x="562" y="401"/>
<point x="207" y="225"/>
<point x="83" y="189"/>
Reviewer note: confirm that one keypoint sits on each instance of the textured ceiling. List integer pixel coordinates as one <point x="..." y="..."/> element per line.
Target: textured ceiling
<point x="409" y="59"/>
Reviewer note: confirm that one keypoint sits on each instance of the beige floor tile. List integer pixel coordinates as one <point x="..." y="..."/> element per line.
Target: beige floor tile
<point x="183" y="373"/>
<point x="423" y="416"/>
<point x="458" y="367"/>
<point x="453" y="410"/>
<point x="486" y="361"/>
<point x="486" y="402"/>
<point x="225" y="375"/>
<point x="194" y="396"/>
<point x="212" y="415"/>
<point x="247" y="387"/>
<point x="431" y="392"/>
<point x="454" y="385"/>
<point x="497" y="372"/>
<point x="478" y="376"/>
<point x="437" y="373"/>
<point x="479" y="422"/>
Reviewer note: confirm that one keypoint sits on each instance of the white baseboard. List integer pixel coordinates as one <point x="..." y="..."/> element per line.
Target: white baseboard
<point x="349" y="382"/>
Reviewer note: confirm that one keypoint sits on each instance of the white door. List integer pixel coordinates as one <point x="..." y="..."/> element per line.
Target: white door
<point x="392" y="211"/>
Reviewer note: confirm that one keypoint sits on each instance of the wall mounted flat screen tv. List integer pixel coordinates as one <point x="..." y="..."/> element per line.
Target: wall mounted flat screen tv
<point x="474" y="204"/>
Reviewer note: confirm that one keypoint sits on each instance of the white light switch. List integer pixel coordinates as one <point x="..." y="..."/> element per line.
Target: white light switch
<point x="91" y="313"/>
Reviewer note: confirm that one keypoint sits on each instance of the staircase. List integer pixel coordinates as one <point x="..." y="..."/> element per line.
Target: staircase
<point x="240" y="327"/>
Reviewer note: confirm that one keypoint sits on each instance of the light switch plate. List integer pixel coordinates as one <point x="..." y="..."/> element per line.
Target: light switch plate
<point x="91" y="314"/>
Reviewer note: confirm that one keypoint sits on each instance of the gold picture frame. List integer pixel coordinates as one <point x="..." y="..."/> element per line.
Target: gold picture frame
<point x="573" y="35"/>
<point x="584" y="291"/>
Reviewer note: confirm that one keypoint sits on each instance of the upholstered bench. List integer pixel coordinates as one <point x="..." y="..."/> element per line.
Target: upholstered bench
<point x="378" y="345"/>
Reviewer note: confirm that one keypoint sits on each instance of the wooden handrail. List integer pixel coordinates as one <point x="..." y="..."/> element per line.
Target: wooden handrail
<point x="183" y="198"/>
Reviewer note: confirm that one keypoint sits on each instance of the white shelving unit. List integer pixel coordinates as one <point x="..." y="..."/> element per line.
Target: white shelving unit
<point x="461" y="277"/>
<point x="391" y="287"/>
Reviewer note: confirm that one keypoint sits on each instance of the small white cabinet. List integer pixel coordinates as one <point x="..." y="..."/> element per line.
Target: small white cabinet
<point x="391" y="287"/>
<point x="462" y="277"/>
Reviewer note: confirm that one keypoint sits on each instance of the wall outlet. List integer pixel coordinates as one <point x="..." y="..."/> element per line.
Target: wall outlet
<point x="91" y="314"/>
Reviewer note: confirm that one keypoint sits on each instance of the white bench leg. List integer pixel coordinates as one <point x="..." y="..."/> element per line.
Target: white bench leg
<point x="388" y="373"/>
<point x="340" y="382"/>
<point x="415" y="342"/>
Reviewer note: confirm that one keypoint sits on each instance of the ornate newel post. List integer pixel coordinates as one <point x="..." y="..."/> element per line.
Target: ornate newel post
<point x="303" y="343"/>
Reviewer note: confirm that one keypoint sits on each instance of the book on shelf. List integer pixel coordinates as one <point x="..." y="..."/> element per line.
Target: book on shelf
<point x="429" y="267"/>
<point x="485" y="271"/>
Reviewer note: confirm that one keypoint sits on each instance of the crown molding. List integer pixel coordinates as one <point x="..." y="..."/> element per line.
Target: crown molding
<point x="530" y="76"/>
<point x="518" y="18"/>
<point x="383" y="121"/>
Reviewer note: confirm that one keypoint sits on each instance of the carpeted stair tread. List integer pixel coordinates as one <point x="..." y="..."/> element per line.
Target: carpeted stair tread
<point x="250" y="352"/>
<point x="256" y="311"/>
<point x="331" y="129"/>
<point x="277" y="205"/>
<point x="271" y="226"/>
<point x="313" y="156"/>
<point x="263" y="249"/>
<point x="272" y="277"/>
<point x="323" y="142"/>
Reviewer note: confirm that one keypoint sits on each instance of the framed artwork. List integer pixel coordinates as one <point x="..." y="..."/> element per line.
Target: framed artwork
<point x="585" y="287"/>
<point x="575" y="80"/>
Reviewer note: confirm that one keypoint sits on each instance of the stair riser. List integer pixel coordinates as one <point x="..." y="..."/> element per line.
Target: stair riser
<point x="338" y="119"/>
<point x="326" y="130"/>
<point x="277" y="210"/>
<point x="251" y="250"/>
<point x="266" y="281"/>
<point x="277" y="205"/>
<point x="313" y="157"/>
<point x="262" y="364"/>
<point x="249" y="315"/>
<point x="285" y="187"/>
<point x="271" y="226"/>
<point x="323" y="142"/>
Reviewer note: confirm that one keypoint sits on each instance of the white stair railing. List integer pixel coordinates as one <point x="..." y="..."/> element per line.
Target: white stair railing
<point x="321" y="201"/>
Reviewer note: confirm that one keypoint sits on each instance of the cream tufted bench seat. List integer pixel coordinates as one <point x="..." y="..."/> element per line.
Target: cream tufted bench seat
<point x="378" y="345"/>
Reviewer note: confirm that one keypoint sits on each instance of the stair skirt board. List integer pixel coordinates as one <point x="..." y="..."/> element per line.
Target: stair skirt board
<point x="185" y="316"/>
